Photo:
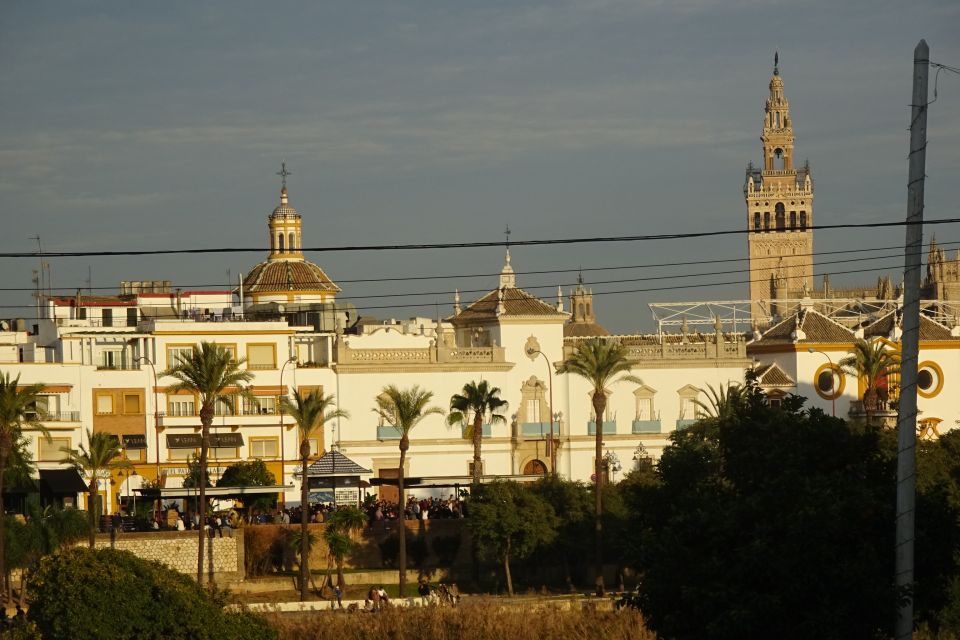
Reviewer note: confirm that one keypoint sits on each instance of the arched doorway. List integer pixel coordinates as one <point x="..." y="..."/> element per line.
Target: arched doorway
<point x="534" y="468"/>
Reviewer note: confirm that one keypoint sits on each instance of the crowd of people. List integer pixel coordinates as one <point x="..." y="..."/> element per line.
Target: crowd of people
<point x="416" y="509"/>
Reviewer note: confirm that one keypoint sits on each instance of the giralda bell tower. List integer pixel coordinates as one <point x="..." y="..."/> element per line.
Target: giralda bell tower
<point x="779" y="201"/>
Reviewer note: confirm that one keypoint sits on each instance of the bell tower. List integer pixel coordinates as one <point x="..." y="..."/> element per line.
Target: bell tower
<point x="779" y="199"/>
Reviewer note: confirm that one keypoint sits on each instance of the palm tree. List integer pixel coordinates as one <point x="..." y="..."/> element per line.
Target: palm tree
<point x="104" y="455"/>
<point x="722" y="401"/>
<point x="404" y="409"/>
<point x="599" y="362"/>
<point x="481" y="400"/>
<point x="211" y="373"/>
<point x="18" y="409"/>
<point x="310" y="412"/>
<point x="340" y="525"/>
<point x="872" y="363"/>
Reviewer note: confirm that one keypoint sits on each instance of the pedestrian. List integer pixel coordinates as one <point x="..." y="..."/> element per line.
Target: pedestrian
<point x="338" y="592"/>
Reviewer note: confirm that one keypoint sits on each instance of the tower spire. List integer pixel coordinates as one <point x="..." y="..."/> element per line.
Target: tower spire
<point x="776" y="63"/>
<point x="508" y="278"/>
<point x="283" y="173"/>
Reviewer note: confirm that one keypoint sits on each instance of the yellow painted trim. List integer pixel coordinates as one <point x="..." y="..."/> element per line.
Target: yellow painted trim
<point x="930" y="364"/>
<point x="226" y="332"/>
<point x="840" y="385"/>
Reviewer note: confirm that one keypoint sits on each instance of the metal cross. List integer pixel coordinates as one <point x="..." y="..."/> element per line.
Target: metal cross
<point x="283" y="173"/>
<point x="506" y="232"/>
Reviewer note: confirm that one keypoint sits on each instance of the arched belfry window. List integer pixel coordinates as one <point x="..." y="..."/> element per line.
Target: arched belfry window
<point x="781" y="217"/>
<point x="280" y="242"/>
<point x="756" y="221"/>
<point x="292" y="244"/>
<point x="766" y="220"/>
<point x="793" y="220"/>
<point x="803" y="221"/>
<point x="778" y="159"/>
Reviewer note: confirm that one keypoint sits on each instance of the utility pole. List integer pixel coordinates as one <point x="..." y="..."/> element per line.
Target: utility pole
<point x="910" y="351"/>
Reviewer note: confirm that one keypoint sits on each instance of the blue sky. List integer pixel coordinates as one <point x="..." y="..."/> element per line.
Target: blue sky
<point x="161" y="125"/>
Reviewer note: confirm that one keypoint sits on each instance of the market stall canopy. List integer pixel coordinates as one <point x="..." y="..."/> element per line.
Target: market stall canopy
<point x="62" y="482"/>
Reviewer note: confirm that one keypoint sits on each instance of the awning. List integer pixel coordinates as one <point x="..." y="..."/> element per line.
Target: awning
<point x="134" y="441"/>
<point x="193" y="440"/>
<point x="212" y="492"/>
<point x="62" y="482"/>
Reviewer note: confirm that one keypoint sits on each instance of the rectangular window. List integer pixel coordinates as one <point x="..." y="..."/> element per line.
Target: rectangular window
<point x="131" y="404"/>
<point x="688" y="409"/>
<point x="223" y="453"/>
<point x="314" y="447"/>
<point x="232" y="348"/>
<point x="261" y="356"/>
<point x="106" y="318"/>
<point x="81" y="313"/>
<point x="112" y="359"/>
<point x="176" y="354"/>
<point x="222" y="408"/>
<point x="181" y="406"/>
<point x="262" y="405"/>
<point x="267" y="448"/>
<point x="132" y="317"/>
<point x="52" y="451"/>
<point x="644" y="408"/>
<point x="134" y="455"/>
<point x="181" y="454"/>
<point x="104" y="404"/>
<point x="533" y="410"/>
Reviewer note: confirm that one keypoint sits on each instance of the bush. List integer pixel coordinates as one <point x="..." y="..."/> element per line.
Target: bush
<point x="107" y="594"/>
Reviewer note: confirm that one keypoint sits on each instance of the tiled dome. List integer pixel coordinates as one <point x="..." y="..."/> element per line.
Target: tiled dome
<point x="287" y="275"/>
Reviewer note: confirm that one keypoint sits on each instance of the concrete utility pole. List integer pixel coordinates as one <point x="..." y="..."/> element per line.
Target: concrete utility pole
<point x="910" y="348"/>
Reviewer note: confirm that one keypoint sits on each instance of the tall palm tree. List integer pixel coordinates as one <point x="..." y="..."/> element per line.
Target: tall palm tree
<point x="340" y="525"/>
<point x="211" y="373"/>
<point x="18" y="409"/>
<point x="723" y="401"/>
<point x="873" y="363"/>
<point x="310" y="412"/>
<point x="481" y="400"/>
<point x="104" y="455"/>
<point x="404" y="409"/>
<point x="599" y="362"/>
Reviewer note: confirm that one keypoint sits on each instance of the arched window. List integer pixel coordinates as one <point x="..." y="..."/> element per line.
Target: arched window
<point x="803" y="221"/>
<point x="291" y="243"/>
<point x="778" y="159"/>
<point x="581" y="314"/>
<point x="793" y="220"/>
<point x="280" y="242"/>
<point x="781" y="217"/>
<point x="756" y="221"/>
<point x="766" y="220"/>
<point x="588" y="309"/>
<point x="778" y="120"/>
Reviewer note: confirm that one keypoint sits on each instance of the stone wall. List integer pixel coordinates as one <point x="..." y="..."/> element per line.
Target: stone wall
<point x="178" y="550"/>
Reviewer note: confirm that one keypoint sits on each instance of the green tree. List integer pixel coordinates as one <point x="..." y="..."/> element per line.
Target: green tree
<point x="211" y="373"/>
<point x="873" y="363"/>
<point x="508" y="520"/>
<point x="572" y="503"/>
<point x="340" y="524"/>
<point x="478" y="401"/>
<point x="310" y="412"/>
<point x="103" y="456"/>
<point x="192" y="479"/>
<point x="18" y="410"/>
<point x="403" y="409"/>
<point x="253" y="473"/>
<point x="599" y="362"/>
<point x="768" y="523"/>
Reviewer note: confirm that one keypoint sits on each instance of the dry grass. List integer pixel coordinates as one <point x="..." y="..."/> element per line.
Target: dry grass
<point x="483" y="619"/>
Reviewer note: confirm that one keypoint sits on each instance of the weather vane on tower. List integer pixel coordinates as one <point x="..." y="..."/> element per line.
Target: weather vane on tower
<point x="283" y="173"/>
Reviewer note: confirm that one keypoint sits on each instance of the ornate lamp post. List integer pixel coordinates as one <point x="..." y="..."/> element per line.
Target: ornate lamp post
<point x="283" y="394"/>
<point x="532" y="353"/>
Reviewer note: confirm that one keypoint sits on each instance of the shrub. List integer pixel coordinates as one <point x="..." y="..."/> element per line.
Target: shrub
<point x="107" y="594"/>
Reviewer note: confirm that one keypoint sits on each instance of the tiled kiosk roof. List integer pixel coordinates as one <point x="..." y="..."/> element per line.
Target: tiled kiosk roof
<point x="334" y="463"/>
<point x="516" y="302"/>
<point x="287" y="275"/>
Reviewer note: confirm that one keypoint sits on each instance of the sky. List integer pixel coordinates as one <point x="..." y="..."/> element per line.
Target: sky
<point x="141" y="126"/>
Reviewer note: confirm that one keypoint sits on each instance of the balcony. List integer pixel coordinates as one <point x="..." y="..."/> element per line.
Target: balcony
<point x="466" y="431"/>
<point x="646" y="426"/>
<point x="609" y="427"/>
<point x="57" y="416"/>
<point x="537" y="429"/>
<point x="118" y="366"/>
<point x="683" y="424"/>
<point x="386" y="432"/>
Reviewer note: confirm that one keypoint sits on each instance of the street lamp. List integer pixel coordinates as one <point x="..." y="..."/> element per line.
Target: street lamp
<point x="532" y="353"/>
<point x="833" y="390"/>
<point x="156" y="410"/>
<point x="284" y="394"/>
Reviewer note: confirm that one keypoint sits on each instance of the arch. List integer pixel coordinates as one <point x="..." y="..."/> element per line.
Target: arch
<point x="779" y="159"/>
<point x="766" y="220"/>
<point x="793" y="220"/>
<point x="803" y="221"/>
<point x="291" y="243"/>
<point x="781" y="217"/>
<point x="580" y="311"/>
<point x="588" y="309"/>
<point x="756" y="221"/>
<point x="280" y="242"/>
<point x="534" y="468"/>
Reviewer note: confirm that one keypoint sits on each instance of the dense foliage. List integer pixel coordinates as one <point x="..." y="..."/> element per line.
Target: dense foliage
<point x="106" y="594"/>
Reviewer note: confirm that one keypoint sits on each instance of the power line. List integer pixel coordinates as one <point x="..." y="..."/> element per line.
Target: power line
<point x="466" y="245"/>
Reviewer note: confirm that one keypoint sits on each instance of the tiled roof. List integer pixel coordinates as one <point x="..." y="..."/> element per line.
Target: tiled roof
<point x="815" y="326"/>
<point x="516" y="302"/>
<point x="771" y="375"/>
<point x="287" y="275"/>
<point x="929" y="329"/>
<point x="584" y="330"/>
<point x="335" y="463"/>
